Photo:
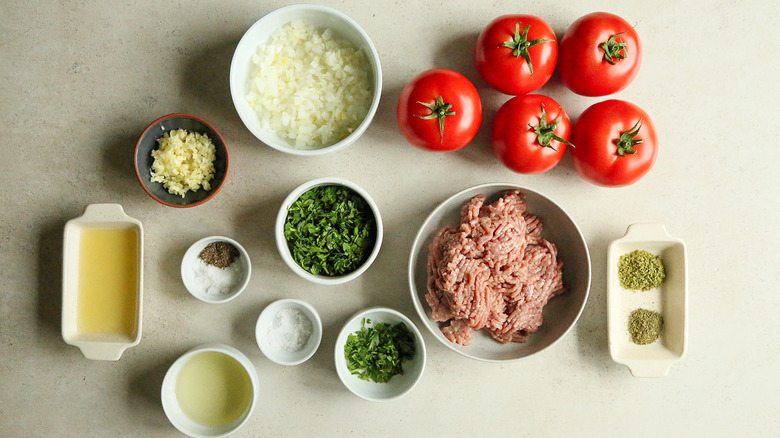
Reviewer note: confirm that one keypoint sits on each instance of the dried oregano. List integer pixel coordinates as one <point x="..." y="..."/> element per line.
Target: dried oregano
<point x="640" y="270"/>
<point x="645" y="326"/>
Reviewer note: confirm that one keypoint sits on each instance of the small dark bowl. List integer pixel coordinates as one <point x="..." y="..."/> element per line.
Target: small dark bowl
<point x="147" y="142"/>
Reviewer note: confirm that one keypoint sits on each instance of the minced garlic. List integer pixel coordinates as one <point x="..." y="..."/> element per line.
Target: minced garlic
<point x="184" y="161"/>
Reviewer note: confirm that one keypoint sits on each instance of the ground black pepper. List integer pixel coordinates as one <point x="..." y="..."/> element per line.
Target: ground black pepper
<point x="219" y="254"/>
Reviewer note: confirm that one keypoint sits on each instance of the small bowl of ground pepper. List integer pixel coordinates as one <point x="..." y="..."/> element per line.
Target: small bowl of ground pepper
<point x="216" y="269"/>
<point x="328" y="230"/>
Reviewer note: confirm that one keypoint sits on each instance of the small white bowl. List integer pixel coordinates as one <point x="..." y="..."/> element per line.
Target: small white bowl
<point x="260" y="32"/>
<point x="284" y="249"/>
<point x="173" y="409"/>
<point x="190" y="261"/>
<point x="670" y="299"/>
<point x="276" y="353"/>
<point x="400" y="384"/>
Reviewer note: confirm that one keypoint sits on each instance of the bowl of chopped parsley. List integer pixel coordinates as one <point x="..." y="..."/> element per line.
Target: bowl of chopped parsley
<point x="328" y="230"/>
<point x="380" y="354"/>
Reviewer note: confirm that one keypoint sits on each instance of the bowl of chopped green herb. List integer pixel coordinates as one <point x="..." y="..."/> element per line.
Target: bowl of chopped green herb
<point x="380" y="354"/>
<point x="328" y="230"/>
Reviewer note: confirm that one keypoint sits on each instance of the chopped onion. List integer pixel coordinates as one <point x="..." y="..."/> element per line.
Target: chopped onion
<point x="309" y="86"/>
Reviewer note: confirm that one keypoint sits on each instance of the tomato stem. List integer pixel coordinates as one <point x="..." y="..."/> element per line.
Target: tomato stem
<point x="520" y="45"/>
<point x="626" y="142"/>
<point x="439" y="110"/>
<point x="614" y="49"/>
<point x="545" y="133"/>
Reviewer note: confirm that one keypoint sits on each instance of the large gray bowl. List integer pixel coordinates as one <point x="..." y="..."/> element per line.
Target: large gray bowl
<point x="560" y="314"/>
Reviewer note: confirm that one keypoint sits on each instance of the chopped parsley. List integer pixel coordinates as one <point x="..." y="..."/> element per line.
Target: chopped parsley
<point x="377" y="353"/>
<point x="330" y="230"/>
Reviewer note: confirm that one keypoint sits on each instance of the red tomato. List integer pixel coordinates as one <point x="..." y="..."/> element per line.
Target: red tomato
<point x="530" y="133"/>
<point x="616" y="143"/>
<point x="600" y="54"/>
<point x="516" y="54"/>
<point x="439" y="110"/>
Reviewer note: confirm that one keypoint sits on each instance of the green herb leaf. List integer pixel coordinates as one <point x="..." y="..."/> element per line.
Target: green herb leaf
<point x="330" y="230"/>
<point x="377" y="353"/>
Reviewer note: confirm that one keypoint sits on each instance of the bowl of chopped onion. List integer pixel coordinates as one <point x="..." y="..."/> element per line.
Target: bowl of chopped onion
<point x="328" y="230"/>
<point x="306" y="80"/>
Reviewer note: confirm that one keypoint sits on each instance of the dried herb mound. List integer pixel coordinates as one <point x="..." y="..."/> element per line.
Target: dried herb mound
<point x="645" y="326"/>
<point x="377" y="353"/>
<point x="640" y="270"/>
<point x="219" y="254"/>
<point x="330" y="230"/>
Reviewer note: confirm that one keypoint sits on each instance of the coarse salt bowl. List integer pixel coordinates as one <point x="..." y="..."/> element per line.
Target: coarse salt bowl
<point x="284" y="247"/>
<point x="210" y="391"/>
<point x="210" y="283"/>
<point x="242" y="68"/>
<point x="282" y="334"/>
<point x="399" y="384"/>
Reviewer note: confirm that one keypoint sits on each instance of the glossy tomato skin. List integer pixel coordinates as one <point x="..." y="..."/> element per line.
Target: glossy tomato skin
<point x="582" y="66"/>
<point x="516" y="144"/>
<point x="596" y="135"/>
<point x="459" y="128"/>
<point x="510" y="74"/>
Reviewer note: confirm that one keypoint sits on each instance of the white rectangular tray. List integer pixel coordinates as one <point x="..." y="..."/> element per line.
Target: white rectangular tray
<point x="670" y="299"/>
<point x="100" y="347"/>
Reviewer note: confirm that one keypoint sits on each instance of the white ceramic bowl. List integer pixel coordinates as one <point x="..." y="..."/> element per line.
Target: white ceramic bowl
<point x="259" y="33"/>
<point x="670" y="299"/>
<point x="284" y="250"/>
<point x="197" y="288"/>
<point x="173" y="409"/>
<point x="276" y="353"/>
<point x="559" y="315"/>
<point x="399" y="384"/>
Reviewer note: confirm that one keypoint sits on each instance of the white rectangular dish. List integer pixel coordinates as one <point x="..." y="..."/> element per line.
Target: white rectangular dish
<point x="670" y="299"/>
<point x="102" y="282"/>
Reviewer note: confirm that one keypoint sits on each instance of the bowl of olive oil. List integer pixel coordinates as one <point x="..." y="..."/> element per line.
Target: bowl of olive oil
<point x="210" y="391"/>
<point x="102" y="282"/>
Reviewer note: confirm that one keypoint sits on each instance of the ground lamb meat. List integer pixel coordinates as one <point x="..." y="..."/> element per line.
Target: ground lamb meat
<point x="493" y="271"/>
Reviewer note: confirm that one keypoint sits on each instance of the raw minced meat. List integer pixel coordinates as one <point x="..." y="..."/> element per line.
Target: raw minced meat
<point x="493" y="271"/>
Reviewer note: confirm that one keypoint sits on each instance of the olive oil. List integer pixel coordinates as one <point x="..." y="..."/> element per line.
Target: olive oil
<point x="108" y="281"/>
<point x="213" y="389"/>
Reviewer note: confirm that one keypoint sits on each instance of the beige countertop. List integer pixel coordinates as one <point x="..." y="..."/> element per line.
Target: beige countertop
<point x="80" y="80"/>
